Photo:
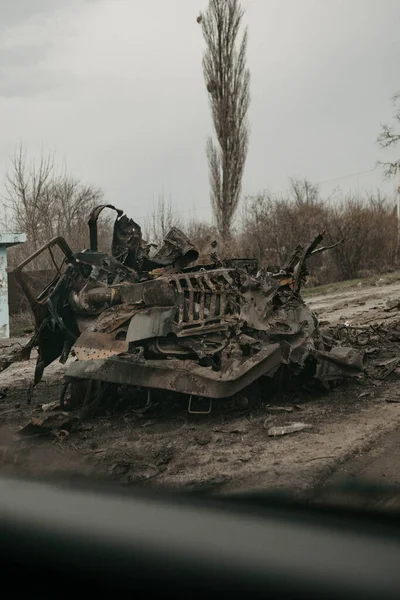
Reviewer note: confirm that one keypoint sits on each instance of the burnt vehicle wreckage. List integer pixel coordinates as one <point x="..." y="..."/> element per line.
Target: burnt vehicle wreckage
<point x="165" y="322"/>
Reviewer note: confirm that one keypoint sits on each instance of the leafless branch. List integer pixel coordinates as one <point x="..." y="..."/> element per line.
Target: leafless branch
<point x="388" y="137"/>
<point x="323" y="248"/>
<point x="44" y="204"/>
<point x="162" y="218"/>
<point x="227" y="81"/>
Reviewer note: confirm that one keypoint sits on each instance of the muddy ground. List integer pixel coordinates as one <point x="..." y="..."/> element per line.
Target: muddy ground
<point x="353" y="427"/>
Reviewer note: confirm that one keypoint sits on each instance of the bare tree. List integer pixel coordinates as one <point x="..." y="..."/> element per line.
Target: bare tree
<point x="359" y="222"/>
<point x="202" y="234"/>
<point x="44" y="204"/>
<point x="25" y="193"/>
<point x="273" y="226"/>
<point x="227" y="80"/>
<point x="163" y="216"/>
<point x="304" y="192"/>
<point x="389" y="136"/>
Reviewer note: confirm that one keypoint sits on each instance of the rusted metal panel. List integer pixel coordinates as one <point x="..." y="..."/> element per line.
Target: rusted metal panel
<point x="177" y="248"/>
<point x="113" y="318"/>
<point x="185" y="377"/>
<point x="152" y="322"/>
<point x="92" y="345"/>
<point x="158" y="292"/>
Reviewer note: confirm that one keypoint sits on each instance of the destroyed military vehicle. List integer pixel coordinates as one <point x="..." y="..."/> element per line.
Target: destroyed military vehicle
<point x="167" y="322"/>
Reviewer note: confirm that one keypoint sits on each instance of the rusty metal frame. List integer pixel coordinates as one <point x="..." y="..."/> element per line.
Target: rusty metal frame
<point x="183" y="376"/>
<point x="41" y="299"/>
<point x="92" y="223"/>
<point x="199" y="412"/>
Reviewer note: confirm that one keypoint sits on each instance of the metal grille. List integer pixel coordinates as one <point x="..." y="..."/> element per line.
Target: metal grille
<point x="205" y="301"/>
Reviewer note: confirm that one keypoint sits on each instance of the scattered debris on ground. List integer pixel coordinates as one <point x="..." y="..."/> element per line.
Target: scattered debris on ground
<point x="287" y="429"/>
<point x="163" y="444"/>
<point x="51" y="406"/>
<point x="141" y="338"/>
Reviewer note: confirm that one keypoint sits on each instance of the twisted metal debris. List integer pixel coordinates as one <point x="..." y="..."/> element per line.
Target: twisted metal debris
<point x="167" y="322"/>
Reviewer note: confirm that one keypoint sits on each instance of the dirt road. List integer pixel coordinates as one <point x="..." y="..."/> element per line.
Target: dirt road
<point x="229" y="449"/>
<point x="358" y="305"/>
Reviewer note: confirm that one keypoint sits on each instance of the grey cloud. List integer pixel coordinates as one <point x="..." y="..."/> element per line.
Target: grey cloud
<point x="22" y="55"/>
<point x="25" y="83"/>
<point x="124" y="100"/>
<point x="24" y="49"/>
<point x="15" y="12"/>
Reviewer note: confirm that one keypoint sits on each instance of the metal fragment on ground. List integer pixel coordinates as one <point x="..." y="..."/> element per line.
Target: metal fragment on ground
<point x="62" y="434"/>
<point x="387" y="367"/>
<point x="36" y="427"/>
<point x="51" y="406"/>
<point x="287" y="429"/>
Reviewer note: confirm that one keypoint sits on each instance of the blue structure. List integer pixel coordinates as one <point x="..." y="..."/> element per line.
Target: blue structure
<point x="6" y="240"/>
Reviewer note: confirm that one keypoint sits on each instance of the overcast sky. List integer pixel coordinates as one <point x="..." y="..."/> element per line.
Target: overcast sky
<point x="115" y="88"/>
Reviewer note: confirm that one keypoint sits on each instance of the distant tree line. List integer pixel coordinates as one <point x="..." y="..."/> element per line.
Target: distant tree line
<point x="44" y="203"/>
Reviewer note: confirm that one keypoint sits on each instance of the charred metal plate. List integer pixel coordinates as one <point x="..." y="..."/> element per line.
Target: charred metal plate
<point x="339" y="362"/>
<point x="95" y="345"/>
<point x="111" y="319"/>
<point x="183" y="376"/>
<point x="150" y="323"/>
